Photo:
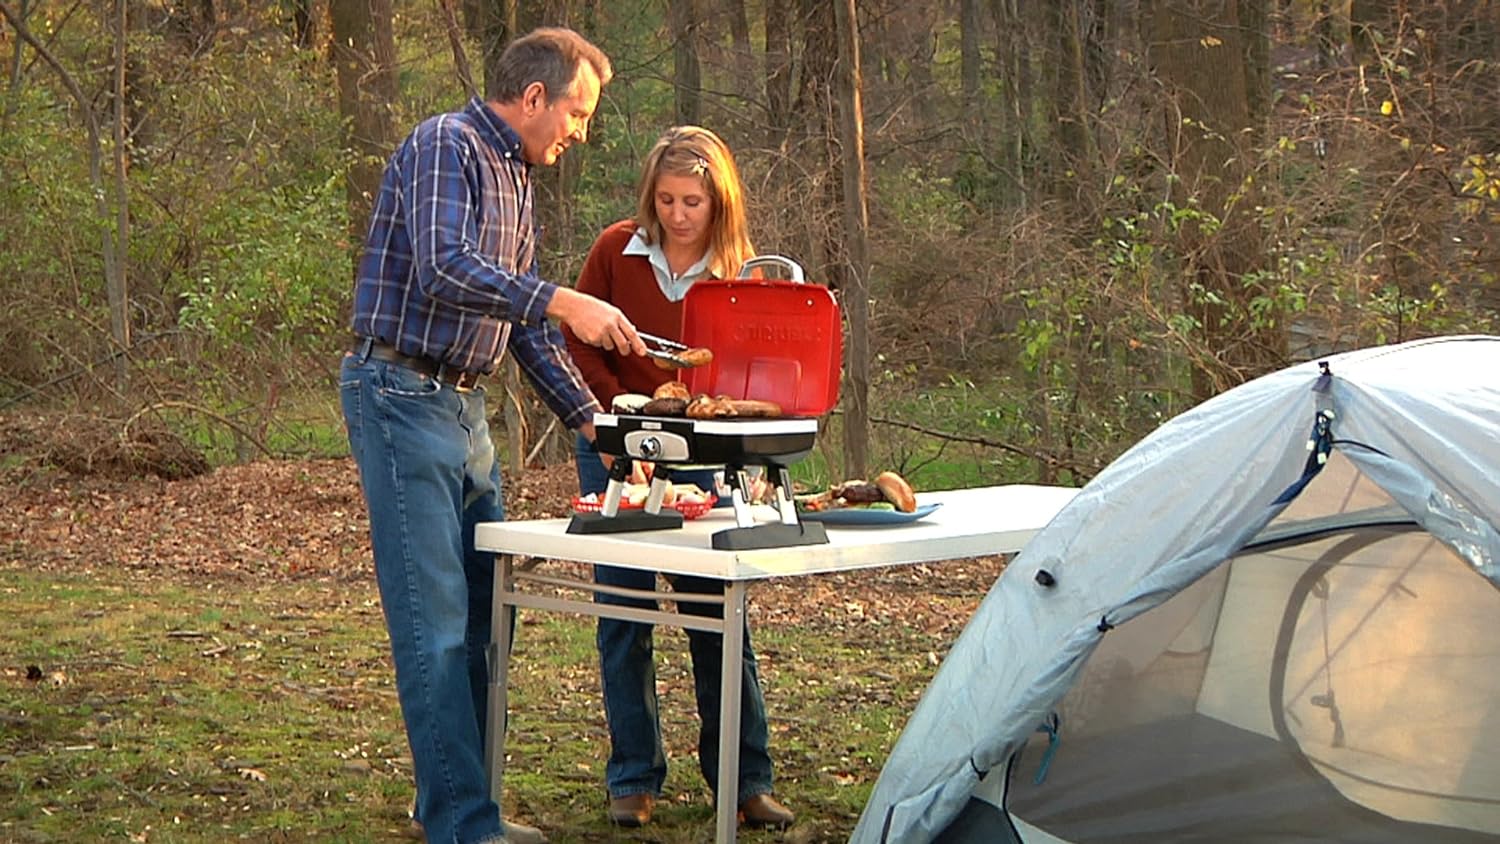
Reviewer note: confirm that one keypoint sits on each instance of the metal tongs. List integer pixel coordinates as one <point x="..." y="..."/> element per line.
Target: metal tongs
<point x="667" y="356"/>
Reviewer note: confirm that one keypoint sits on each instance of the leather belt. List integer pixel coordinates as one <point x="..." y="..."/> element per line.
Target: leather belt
<point x="458" y="379"/>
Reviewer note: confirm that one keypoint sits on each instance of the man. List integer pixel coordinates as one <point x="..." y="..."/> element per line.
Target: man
<point x="447" y="282"/>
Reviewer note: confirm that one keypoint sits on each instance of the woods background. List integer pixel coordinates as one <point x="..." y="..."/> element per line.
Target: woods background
<point x="1052" y="225"/>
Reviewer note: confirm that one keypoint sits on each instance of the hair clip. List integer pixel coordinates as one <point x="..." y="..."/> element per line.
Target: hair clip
<point x="699" y="167"/>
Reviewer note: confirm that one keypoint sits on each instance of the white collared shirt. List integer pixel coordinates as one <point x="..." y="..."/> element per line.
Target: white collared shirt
<point x="674" y="287"/>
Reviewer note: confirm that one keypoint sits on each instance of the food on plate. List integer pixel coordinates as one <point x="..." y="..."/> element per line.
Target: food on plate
<point x="691" y="494"/>
<point x="857" y="492"/>
<point x="890" y="491"/>
<point x="628" y="403"/>
<point x="897" y="491"/>
<point x="635" y="494"/>
<point x="688" y="358"/>
<point x="672" y="390"/>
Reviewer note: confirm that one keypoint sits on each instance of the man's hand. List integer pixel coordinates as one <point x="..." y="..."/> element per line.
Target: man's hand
<point x="595" y="321"/>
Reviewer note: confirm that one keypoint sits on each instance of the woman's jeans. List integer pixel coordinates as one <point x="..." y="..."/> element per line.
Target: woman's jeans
<point x="428" y="470"/>
<point x="637" y="763"/>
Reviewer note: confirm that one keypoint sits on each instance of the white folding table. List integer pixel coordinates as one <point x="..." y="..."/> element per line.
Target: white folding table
<point x="970" y="523"/>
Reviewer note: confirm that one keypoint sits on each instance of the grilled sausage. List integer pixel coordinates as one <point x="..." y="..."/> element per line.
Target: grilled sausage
<point x="705" y="407"/>
<point x="669" y="406"/>
<point x="688" y="357"/>
<point x="756" y="408"/>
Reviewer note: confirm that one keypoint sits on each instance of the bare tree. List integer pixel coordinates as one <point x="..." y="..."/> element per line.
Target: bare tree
<point x="113" y="246"/>
<point x="778" y="69"/>
<point x="119" y="291"/>
<point x="856" y="241"/>
<point x="742" y="52"/>
<point x="968" y="50"/>
<point x="364" y="56"/>
<point x="687" y="78"/>
<point x="494" y="24"/>
<point x="1199" y="50"/>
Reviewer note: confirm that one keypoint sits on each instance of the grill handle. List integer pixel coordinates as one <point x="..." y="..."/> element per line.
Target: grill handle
<point x="794" y="269"/>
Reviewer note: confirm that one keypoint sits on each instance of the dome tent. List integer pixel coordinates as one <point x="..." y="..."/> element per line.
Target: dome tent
<point x="1270" y="620"/>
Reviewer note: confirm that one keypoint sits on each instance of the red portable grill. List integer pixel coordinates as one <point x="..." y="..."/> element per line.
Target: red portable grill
<point x="777" y="340"/>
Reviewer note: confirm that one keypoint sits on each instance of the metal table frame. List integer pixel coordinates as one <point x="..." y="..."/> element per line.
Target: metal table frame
<point x="970" y="523"/>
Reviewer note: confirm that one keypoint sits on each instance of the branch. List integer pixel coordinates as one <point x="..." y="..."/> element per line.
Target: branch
<point x="19" y="24"/>
<point x="82" y="370"/>
<point x="540" y="441"/>
<point x="455" y="40"/>
<point x="227" y="422"/>
<point x="1039" y="456"/>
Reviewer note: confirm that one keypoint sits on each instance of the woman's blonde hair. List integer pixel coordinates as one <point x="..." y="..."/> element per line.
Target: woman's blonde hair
<point x="695" y="151"/>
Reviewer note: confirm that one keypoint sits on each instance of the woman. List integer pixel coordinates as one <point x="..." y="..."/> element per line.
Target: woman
<point x="689" y="225"/>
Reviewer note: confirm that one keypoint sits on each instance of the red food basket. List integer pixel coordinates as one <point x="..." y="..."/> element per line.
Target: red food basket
<point x="688" y="509"/>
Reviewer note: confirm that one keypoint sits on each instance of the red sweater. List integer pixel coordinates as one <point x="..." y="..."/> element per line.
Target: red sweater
<point x="628" y="282"/>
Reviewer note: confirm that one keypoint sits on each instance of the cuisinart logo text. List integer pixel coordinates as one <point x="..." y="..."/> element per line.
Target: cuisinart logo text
<point x="774" y="333"/>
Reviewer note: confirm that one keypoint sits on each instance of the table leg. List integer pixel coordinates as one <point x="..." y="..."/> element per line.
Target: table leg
<point x="499" y="662"/>
<point x="730" y="689"/>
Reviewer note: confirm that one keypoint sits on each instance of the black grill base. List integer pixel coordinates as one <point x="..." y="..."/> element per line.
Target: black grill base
<point x="776" y="535"/>
<point x="624" y="521"/>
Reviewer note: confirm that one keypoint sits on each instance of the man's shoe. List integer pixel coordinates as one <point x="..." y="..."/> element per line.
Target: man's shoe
<point x="763" y="810"/>
<point x="519" y="833"/>
<point x="515" y="833"/>
<point x="631" y="810"/>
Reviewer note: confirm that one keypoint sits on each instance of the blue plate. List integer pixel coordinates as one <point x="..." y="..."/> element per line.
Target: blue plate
<point x="859" y="516"/>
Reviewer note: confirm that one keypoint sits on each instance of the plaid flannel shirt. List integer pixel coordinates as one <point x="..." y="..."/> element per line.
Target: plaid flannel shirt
<point x="449" y="270"/>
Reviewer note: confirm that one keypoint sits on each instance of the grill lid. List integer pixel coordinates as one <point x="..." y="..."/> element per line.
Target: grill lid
<point x="776" y="340"/>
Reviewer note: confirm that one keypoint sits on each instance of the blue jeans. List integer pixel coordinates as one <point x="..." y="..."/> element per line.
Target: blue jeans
<point x="428" y="471"/>
<point x="637" y="764"/>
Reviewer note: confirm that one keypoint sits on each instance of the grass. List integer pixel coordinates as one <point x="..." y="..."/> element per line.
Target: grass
<point x="192" y="711"/>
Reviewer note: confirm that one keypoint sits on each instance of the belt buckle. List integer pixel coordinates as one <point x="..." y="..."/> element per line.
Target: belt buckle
<point x="465" y="382"/>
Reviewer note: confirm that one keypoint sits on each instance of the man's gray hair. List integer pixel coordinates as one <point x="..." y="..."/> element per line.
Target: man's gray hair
<point x="549" y="55"/>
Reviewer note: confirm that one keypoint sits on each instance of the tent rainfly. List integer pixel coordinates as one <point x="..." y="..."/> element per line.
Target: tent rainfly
<point x="1272" y="620"/>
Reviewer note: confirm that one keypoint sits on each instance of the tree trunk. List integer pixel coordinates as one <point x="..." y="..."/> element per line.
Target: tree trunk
<point x="17" y="66"/>
<point x="1070" y="172"/>
<point x="1013" y="111"/>
<point x="968" y="50"/>
<point x="815" y="139"/>
<point x="117" y="285"/>
<point x="778" y="70"/>
<point x="494" y="26"/>
<point x="856" y="234"/>
<point x="1255" y="23"/>
<point x="686" y="80"/>
<point x="1198" y="48"/>
<point x="461" y="64"/>
<point x="742" y="55"/>
<point x="364" y="55"/>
